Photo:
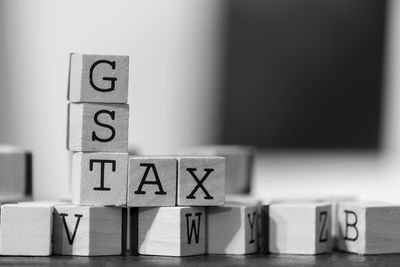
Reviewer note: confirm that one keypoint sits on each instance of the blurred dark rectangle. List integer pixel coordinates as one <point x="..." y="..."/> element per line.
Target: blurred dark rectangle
<point x="304" y="74"/>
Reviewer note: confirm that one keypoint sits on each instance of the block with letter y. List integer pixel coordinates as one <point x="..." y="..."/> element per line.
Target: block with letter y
<point x="172" y="231"/>
<point x="88" y="230"/>
<point x="201" y="181"/>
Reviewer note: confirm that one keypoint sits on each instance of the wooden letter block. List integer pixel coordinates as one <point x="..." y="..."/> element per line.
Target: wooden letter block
<point x="98" y="78"/>
<point x="201" y="181"/>
<point x="172" y="231"/>
<point x="88" y="231"/>
<point x="99" y="178"/>
<point x="98" y="127"/>
<point x="369" y="228"/>
<point x="152" y="181"/>
<point x="26" y="229"/>
<point x="232" y="229"/>
<point x="300" y="228"/>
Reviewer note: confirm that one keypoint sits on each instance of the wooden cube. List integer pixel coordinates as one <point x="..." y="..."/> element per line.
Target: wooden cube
<point x="300" y="228"/>
<point x="172" y="231"/>
<point x="88" y="230"/>
<point x="239" y="164"/>
<point x="99" y="178"/>
<point x="201" y="181"/>
<point x="98" y="127"/>
<point x="232" y="229"/>
<point x="26" y="229"/>
<point x="98" y="78"/>
<point x="152" y="181"/>
<point x="369" y="227"/>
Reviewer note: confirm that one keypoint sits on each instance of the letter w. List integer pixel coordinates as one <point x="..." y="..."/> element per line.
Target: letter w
<point x="192" y="227"/>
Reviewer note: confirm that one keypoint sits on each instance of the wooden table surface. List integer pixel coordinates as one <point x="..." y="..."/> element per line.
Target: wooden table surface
<point x="335" y="259"/>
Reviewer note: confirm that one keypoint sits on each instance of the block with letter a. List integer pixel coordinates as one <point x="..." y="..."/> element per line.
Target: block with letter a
<point x="98" y="78"/>
<point x="233" y="228"/>
<point x="88" y="230"/>
<point x="172" y="231"/>
<point x="98" y="127"/>
<point x="152" y="181"/>
<point x="369" y="227"/>
<point x="99" y="178"/>
<point x="201" y="181"/>
<point x="300" y="228"/>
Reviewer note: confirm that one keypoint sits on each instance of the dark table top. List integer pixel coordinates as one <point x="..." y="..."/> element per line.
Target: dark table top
<point x="335" y="259"/>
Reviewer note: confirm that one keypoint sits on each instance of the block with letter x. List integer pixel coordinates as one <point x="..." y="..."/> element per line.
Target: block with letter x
<point x="88" y="230"/>
<point x="172" y="231"/>
<point x="99" y="178"/>
<point x="201" y="181"/>
<point x="369" y="227"/>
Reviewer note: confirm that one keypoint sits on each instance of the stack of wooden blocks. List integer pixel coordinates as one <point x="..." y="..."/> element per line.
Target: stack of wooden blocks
<point x="175" y="205"/>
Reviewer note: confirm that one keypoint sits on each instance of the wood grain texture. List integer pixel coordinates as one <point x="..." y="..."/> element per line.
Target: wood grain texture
<point x="98" y="127"/>
<point x="239" y="164"/>
<point x="99" y="178"/>
<point x="172" y="231"/>
<point x="87" y="231"/>
<point x="26" y="229"/>
<point x="300" y="228"/>
<point x="369" y="227"/>
<point x="152" y="181"/>
<point x="98" y="78"/>
<point x="201" y="181"/>
<point x="232" y="229"/>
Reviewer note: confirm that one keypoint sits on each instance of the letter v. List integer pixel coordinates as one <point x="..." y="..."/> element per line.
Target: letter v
<point x="71" y="238"/>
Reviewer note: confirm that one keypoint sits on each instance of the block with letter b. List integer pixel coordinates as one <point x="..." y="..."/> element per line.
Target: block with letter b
<point x="300" y="228"/>
<point x="369" y="227"/>
<point x="201" y="181"/>
<point x="98" y="127"/>
<point x="98" y="78"/>
<point x="99" y="178"/>
<point x="152" y="181"/>
<point x="88" y="230"/>
<point x="172" y="231"/>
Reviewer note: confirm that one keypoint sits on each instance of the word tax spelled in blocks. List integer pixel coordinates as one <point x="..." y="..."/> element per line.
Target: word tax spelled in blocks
<point x="152" y="181"/>
<point x="172" y="231"/>
<point x="98" y="78"/>
<point x="232" y="229"/>
<point x="99" y="178"/>
<point x="88" y="230"/>
<point x="26" y="229"/>
<point x="300" y="228"/>
<point x="201" y="181"/>
<point x="98" y="127"/>
<point x="369" y="228"/>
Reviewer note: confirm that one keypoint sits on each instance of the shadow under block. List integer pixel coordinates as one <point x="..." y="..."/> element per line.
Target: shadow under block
<point x="26" y="229"/>
<point x="99" y="178"/>
<point x="16" y="172"/>
<point x="98" y="78"/>
<point x="152" y="181"/>
<point x="201" y="181"/>
<point x="369" y="228"/>
<point x="300" y="228"/>
<point x="98" y="127"/>
<point x="232" y="229"/>
<point x="88" y="230"/>
<point x="172" y="231"/>
<point x="239" y="164"/>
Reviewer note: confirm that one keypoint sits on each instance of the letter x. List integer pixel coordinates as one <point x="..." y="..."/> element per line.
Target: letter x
<point x="199" y="183"/>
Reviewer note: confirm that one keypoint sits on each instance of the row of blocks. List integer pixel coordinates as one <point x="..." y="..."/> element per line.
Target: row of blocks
<point x="239" y="227"/>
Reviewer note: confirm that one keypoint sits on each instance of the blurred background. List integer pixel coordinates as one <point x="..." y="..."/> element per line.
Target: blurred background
<point x="312" y="84"/>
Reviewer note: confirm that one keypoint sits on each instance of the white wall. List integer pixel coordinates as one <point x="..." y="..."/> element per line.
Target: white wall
<point x="173" y="47"/>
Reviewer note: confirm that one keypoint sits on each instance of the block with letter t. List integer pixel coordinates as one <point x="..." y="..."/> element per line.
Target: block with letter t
<point x="201" y="181"/>
<point x="152" y="181"/>
<point x="172" y="231"/>
<point x="369" y="227"/>
<point x="99" y="178"/>
<point x="98" y="78"/>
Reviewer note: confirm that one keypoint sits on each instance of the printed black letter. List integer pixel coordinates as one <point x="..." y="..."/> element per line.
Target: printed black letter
<point x="192" y="228"/>
<point x="323" y="215"/>
<point x="96" y="120"/>
<point x="111" y="79"/>
<point x="251" y="222"/>
<point x="143" y="181"/>
<point x="102" y="166"/>
<point x="69" y="237"/>
<point x="199" y="183"/>
<point x="352" y="225"/>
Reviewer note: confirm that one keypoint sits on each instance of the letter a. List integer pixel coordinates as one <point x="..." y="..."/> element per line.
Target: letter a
<point x="149" y="166"/>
